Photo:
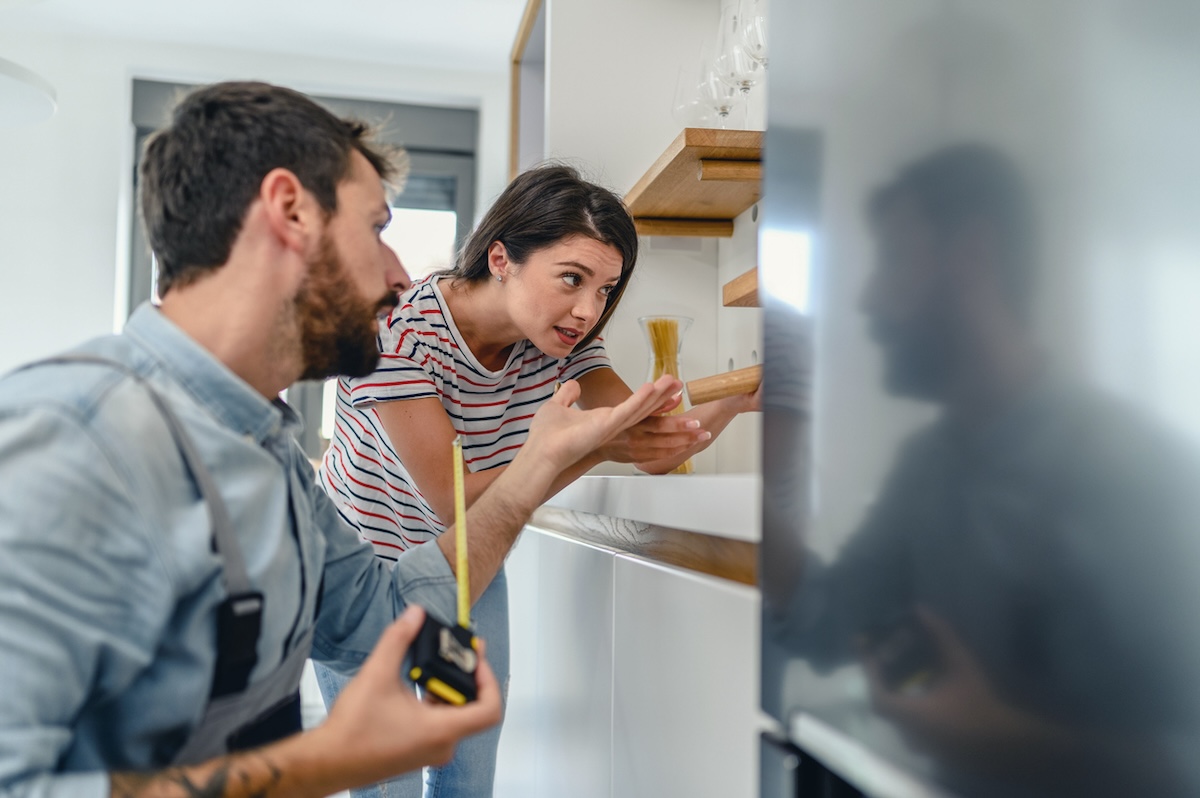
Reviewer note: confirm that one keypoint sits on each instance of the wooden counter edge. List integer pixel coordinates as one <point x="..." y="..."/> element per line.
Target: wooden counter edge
<point x="724" y="558"/>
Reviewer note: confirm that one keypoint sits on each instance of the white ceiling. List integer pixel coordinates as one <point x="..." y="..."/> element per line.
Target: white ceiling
<point x="445" y="34"/>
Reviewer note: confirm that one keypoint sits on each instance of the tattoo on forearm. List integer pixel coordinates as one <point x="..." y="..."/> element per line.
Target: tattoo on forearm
<point x="256" y="780"/>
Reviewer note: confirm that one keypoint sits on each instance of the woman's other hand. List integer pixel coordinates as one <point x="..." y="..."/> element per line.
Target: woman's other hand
<point x="563" y="435"/>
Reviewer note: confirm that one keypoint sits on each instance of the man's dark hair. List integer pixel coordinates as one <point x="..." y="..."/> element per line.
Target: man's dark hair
<point x="200" y="175"/>
<point x="968" y="182"/>
<point x="540" y="208"/>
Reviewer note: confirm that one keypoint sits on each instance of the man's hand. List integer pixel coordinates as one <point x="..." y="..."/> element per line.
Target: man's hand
<point x="962" y="721"/>
<point x="959" y="715"/>
<point x="379" y="728"/>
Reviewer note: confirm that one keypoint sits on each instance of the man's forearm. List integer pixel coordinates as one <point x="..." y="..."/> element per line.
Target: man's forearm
<point x="495" y="520"/>
<point x="280" y="769"/>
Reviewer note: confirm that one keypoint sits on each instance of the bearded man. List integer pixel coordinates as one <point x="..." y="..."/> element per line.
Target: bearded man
<point x="167" y="562"/>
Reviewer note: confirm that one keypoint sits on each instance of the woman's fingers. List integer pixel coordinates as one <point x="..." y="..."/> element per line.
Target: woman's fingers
<point x="669" y="405"/>
<point x="666" y="425"/>
<point x="644" y="401"/>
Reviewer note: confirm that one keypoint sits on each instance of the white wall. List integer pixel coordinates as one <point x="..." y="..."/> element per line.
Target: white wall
<point x="65" y="184"/>
<point x="611" y="70"/>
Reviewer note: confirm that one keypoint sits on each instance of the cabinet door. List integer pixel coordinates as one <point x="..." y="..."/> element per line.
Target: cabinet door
<point x="558" y="735"/>
<point x="516" y="760"/>
<point x="685" y="684"/>
<point x="575" y="650"/>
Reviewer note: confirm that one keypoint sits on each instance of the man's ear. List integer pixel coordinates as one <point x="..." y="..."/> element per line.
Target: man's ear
<point x="291" y="211"/>
<point x="498" y="261"/>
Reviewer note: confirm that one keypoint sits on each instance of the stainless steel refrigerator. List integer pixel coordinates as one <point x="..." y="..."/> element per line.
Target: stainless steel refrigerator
<point x="980" y="268"/>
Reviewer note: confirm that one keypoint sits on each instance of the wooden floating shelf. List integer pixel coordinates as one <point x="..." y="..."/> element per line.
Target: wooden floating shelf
<point x="703" y="180"/>
<point x="741" y="291"/>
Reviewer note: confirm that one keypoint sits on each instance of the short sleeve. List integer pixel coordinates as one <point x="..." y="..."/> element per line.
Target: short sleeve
<point x="408" y="370"/>
<point x="591" y="357"/>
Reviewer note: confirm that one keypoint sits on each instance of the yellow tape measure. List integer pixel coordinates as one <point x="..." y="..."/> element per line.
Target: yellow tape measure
<point x="443" y="659"/>
<point x="460" y="537"/>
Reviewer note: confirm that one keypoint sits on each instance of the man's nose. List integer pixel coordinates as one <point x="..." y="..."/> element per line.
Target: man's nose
<point x="397" y="278"/>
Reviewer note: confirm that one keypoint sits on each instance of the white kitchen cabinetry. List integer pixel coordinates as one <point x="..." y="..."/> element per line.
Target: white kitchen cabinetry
<point x="629" y="678"/>
<point x="685" y="683"/>
<point x="558" y="734"/>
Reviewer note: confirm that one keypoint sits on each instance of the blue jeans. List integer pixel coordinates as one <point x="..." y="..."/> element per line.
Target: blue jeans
<point x="471" y="773"/>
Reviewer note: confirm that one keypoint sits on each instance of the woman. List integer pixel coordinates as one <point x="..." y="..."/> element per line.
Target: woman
<point x="475" y="351"/>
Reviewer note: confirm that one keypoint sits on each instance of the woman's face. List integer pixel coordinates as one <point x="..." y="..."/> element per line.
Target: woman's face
<point x="558" y="295"/>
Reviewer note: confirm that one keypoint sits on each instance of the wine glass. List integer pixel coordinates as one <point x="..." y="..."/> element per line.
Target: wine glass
<point x="722" y="99"/>
<point x="688" y="110"/>
<point x="753" y="27"/>
<point x="733" y="63"/>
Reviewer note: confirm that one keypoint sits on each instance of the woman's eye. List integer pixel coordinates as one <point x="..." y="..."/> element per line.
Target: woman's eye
<point x="572" y="280"/>
<point x="608" y="289"/>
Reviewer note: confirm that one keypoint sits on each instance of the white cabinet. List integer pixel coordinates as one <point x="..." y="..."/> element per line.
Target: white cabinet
<point x="574" y="668"/>
<point x="685" y="684"/>
<point x="516" y="762"/>
<point x="628" y="678"/>
<point x="558" y="734"/>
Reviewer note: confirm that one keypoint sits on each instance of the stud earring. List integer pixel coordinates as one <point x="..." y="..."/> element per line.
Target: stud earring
<point x="499" y="279"/>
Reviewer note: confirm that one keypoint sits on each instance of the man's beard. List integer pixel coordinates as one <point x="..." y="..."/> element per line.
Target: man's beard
<point x="337" y="334"/>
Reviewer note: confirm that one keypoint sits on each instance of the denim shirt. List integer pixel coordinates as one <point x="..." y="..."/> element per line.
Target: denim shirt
<point x="109" y="584"/>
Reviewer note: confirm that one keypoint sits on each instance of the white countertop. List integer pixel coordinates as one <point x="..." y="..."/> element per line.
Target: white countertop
<point x="725" y="505"/>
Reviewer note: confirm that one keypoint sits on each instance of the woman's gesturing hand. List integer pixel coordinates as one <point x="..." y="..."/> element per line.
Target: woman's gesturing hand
<point x="654" y="438"/>
<point x="562" y="435"/>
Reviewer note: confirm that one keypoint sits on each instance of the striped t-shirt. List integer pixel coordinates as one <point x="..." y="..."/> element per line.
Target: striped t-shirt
<point x="423" y="355"/>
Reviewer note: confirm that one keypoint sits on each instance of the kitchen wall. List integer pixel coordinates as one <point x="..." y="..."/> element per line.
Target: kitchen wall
<point x="611" y="70"/>
<point x="65" y="185"/>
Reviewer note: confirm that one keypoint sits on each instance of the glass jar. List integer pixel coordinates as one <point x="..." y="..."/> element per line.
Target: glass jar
<point x="664" y="337"/>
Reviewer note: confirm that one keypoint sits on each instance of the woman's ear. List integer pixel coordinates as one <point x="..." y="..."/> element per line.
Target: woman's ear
<point x="498" y="262"/>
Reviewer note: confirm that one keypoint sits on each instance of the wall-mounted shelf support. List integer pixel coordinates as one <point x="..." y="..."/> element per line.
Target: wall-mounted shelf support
<point x="741" y="291"/>
<point x="734" y="171"/>
<point x="705" y="228"/>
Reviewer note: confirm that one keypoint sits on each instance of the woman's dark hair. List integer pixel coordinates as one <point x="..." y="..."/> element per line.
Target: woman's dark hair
<point x="200" y="174"/>
<point x="542" y="207"/>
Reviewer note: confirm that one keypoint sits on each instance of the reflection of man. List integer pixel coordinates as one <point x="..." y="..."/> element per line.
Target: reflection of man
<point x="1021" y="593"/>
<point x="166" y="560"/>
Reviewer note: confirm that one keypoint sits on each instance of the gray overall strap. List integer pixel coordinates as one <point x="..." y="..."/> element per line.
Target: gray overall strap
<point x="239" y="619"/>
<point x="264" y="712"/>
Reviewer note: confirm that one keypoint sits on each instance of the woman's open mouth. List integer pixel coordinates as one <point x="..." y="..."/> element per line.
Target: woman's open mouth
<point x="567" y="335"/>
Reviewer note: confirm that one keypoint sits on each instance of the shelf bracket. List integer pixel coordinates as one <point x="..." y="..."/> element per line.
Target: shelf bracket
<point x="703" y="228"/>
<point x="731" y="171"/>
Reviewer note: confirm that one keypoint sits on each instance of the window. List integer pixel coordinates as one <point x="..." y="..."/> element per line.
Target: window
<point x="431" y="216"/>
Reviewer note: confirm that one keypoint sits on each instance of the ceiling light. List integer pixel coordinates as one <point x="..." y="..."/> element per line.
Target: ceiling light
<point x="25" y="97"/>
